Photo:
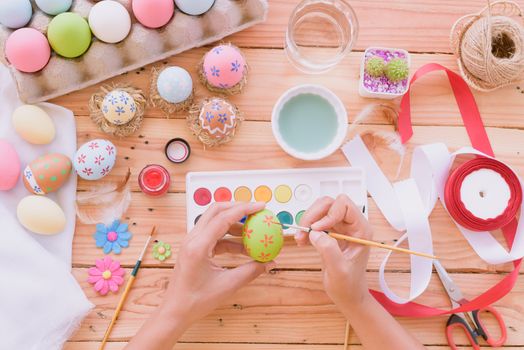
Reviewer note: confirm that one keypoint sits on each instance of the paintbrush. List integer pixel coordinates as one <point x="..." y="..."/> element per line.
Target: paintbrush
<point x="361" y="241"/>
<point x="127" y="289"/>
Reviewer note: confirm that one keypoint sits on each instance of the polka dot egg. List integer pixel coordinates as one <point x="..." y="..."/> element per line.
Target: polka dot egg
<point x="224" y="66"/>
<point x="119" y="107"/>
<point x="47" y="174"/>
<point x="262" y="236"/>
<point x="95" y="159"/>
<point x="218" y="117"/>
<point x="174" y="84"/>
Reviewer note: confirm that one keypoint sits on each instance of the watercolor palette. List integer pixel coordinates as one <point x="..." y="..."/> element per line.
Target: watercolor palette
<point x="287" y="192"/>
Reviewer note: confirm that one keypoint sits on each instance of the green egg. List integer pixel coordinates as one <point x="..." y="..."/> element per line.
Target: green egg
<point x="69" y="35"/>
<point x="262" y="236"/>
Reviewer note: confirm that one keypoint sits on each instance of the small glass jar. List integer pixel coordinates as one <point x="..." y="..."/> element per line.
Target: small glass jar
<point x="320" y="34"/>
<point x="154" y="180"/>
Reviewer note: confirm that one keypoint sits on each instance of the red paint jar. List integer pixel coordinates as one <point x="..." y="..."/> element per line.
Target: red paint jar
<point x="154" y="180"/>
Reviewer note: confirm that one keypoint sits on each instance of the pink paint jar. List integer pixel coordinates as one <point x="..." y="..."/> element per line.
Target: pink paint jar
<point x="154" y="180"/>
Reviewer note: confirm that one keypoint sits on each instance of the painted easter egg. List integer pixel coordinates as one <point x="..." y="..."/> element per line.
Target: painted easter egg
<point x="153" y="13"/>
<point x="262" y="236"/>
<point x="119" y="107"/>
<point x="15" y="14"/>
<point x="218" y="117"/>
<point x="41" y="215"/>
<point x="27" y="50"/>
<point x="69" y="34"/>
<point x="194" y="8"/>
<point x="54" y="7"/>
<point x="33" y="124"/>
<point x="110" y="21"/>
<point x="95" y="159"/>
<point x="47" y="173"/>
<point x="224" y="66"/>
<point x="174" y="84"/>
<point x="9" y="166"/>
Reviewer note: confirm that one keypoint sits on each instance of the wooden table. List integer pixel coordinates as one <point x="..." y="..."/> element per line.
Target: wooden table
<point x="288" y="309"/>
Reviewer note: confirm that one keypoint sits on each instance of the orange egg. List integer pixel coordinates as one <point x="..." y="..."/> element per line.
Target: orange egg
<point x="218" y="117"/>
<point x="47" y="173"/>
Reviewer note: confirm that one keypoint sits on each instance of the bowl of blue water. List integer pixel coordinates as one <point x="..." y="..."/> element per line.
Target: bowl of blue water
<point x="309" y="122"/>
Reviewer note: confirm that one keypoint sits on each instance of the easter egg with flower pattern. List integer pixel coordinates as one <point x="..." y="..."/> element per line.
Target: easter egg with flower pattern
<point x="224" y="67"/>
<point x="95" y="159"/>
<point x="47" y="174"/>
<point x="218" y="117"/>
<point x="262" y="236"/>
<point x="119" y="107"/>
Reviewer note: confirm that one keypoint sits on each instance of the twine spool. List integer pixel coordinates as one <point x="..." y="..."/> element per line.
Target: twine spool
<point x="490" y="46"/>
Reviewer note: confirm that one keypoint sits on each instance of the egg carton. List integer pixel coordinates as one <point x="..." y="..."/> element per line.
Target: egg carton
<point x="142" y="47"/>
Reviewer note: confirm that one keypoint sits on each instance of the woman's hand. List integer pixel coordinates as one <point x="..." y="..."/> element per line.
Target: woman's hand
<point x="343" y="263"/>
<point x="198" y="286"/>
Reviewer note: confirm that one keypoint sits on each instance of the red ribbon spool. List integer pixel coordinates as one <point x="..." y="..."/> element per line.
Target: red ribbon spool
<point x="458" y="210"/>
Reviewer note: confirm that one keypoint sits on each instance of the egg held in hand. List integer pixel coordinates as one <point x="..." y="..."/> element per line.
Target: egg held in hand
<point x="262" y="236"/>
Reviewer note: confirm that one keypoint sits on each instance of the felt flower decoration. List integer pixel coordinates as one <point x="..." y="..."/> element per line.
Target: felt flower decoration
<point x="106" y="275"/>
<point x="113" y="237"/>
<point x="161" y="251"/>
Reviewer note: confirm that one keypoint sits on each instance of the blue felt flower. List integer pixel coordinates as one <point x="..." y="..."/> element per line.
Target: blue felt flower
<point x="113" y="237"/>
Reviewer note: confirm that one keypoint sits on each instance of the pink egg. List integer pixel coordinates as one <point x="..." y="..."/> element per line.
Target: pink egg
<point x="27" y="50"/>
<point x="9" y="166"/>
<point x="153" y="13"/>
<point x="224" y="66"/>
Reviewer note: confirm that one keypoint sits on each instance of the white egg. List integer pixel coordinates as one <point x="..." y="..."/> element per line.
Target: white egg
<point x="194" y="8"/>
<point x="54" y="7"/>
<point x="119" y="107"/>
<point x="41" y="215"/>
<point x="33" y="124"/>
<point x="95" y="159"/>
<point x="110" y="21"/>
<point x="174" y="84"/>
<point x="15" y="13"/>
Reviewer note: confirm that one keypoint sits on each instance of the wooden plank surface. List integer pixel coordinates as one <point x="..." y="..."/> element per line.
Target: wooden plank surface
<point x="288" y="309"/>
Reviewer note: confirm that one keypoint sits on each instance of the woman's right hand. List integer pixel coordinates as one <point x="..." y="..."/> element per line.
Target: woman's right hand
<point x="343" y="263"/>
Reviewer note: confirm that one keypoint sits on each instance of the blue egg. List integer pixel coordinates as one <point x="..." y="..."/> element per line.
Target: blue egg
<point x="174" y="84"/>
<point x="15" y="14"/>
<point x="193" y="7"/>
<point x="54" y="7"/>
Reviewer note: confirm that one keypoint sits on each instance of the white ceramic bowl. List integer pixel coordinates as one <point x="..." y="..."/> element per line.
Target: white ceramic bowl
<point x="328" y="95"/>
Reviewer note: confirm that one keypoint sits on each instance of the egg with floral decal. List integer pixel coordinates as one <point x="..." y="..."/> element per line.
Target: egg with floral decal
<point x="119" y="107"/>
<point x="47" y="174"/>
<point x="224" y="67"/>
<point x="95" y="159"/>
<point x="218" y="117"/>
<point x="262" y="236"/>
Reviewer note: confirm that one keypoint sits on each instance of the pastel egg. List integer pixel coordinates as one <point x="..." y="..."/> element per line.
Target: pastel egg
<point x="95" y="159"/>
<point x="118" y="107"/>
<point x="27" y="50"/>
<point x="54" y="7"/>
<point x="153" y="13"/>
<point x="174" y="84"/>
<point x="224" y="66"/>
<point x="218" y="117"/>
<point x="109" y="21"/>
<point x="41" y="215"/>
<point x="33" y="124"/>
<point x="9" y="166"/>
<point x="15" y="13"/>
<point x="69" y="34"/>
<point x="47" y="174"/>
<point x="194" y="8"/>
<point x="262" y="236"/>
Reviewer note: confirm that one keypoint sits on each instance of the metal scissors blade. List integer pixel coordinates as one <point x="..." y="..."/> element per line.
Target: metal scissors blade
<point x="454" y="293"/>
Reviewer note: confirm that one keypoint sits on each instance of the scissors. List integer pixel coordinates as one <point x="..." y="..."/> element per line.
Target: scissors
<point x="469" y="322"/>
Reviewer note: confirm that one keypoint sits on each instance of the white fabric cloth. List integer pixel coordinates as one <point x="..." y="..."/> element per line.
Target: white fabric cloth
<point x="41" y="303"/>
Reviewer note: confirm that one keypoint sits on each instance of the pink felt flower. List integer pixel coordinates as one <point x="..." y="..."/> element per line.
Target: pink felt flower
<point x="106" y="276"/>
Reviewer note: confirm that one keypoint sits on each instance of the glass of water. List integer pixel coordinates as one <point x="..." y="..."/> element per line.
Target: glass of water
<point x="320" y="34"/>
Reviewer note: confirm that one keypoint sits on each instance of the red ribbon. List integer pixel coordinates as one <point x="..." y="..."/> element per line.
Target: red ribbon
<point x="458" y="210"/>
<point x="479" y="140"/>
